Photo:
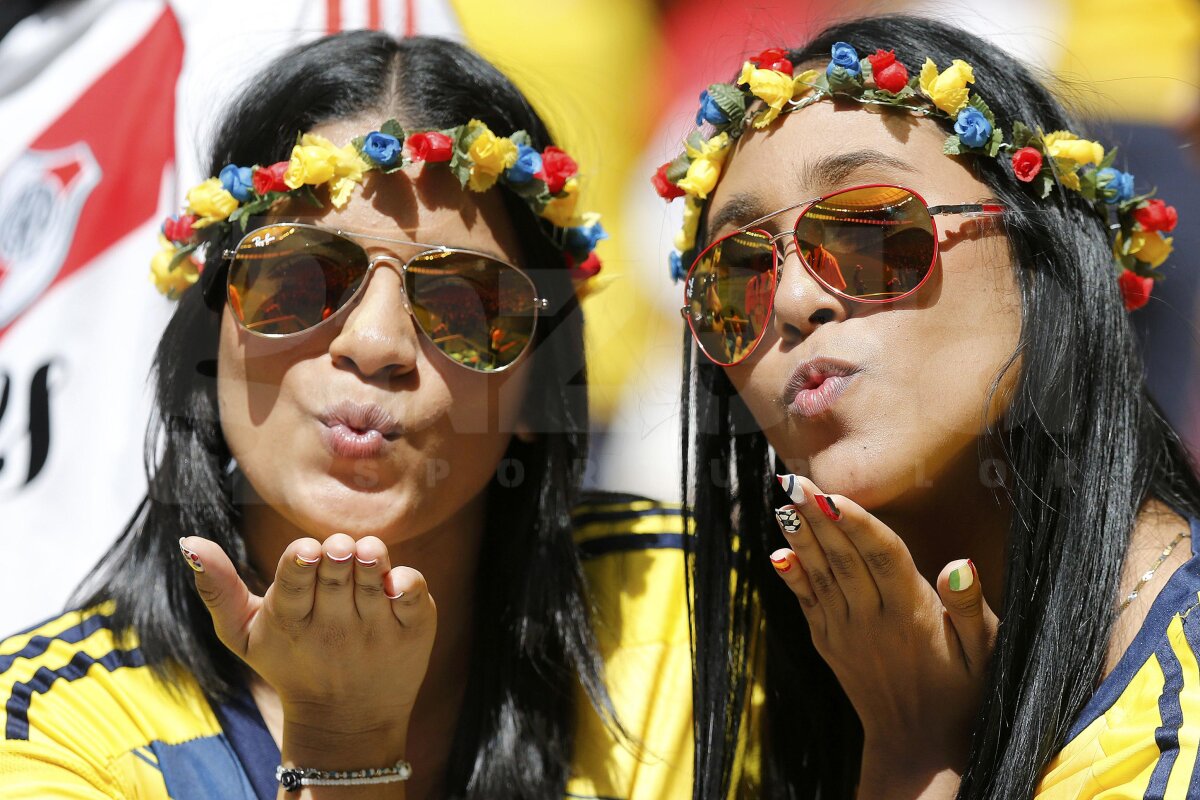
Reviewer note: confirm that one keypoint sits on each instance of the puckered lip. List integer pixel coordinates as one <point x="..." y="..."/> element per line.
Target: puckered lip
<point x="812" y="373"/>
<point x="362" y="417"/>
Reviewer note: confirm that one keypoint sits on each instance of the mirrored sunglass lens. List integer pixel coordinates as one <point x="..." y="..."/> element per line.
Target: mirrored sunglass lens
<point x="286" y="278"/>
<point x="478" y="311"/>
<point x="874" y="243"/>
<point x="729" y="294"/>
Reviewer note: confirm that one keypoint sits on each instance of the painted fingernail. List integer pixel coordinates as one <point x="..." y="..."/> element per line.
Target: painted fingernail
<point x="792" y="488"/>
<point x="789" y="519"/>
<point x="301" y="561"/>
<point x="826" y="504"/>
<point x="370" y="563"/>
<point x="781" y="565"/>
<point x="396" y="596"/>
<point x="190" y="557"/>
<point x="963" y="576"/>
<point x="341" y="559"/>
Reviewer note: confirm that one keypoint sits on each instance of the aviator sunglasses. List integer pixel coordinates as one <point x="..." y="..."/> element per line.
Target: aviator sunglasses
<point x="287" y="279"/>
<point x="866" y="244"/>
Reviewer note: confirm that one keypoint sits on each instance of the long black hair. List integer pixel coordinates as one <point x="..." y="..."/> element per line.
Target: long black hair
<point x="1084" y="446"/>
<point x="532" y="643"/>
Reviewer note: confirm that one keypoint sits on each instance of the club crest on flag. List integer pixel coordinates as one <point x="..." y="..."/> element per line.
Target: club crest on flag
<point x="41" y="197"/>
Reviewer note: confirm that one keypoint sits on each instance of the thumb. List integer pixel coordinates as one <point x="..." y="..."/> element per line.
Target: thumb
<point x="962" y="595"/>
<point x="223" y="591"/>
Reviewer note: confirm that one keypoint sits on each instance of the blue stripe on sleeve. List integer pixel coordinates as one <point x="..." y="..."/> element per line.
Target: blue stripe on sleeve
<point x="18" y="702"/>
<point x="1166" y="736"/>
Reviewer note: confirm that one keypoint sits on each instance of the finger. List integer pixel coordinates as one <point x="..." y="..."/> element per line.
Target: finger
<point x="290" y="597"/>
<point x="973" y="620"/>
<point x="229" y="601"/>
<point x="833" y="529"/>
<point x="808" y="550"/>
<point x="334" y="596"/>
<point x="411" y="601"/>
<point x="370" y="566"/>
<point x="787" y="566"/>
<point x="881" y="552"/>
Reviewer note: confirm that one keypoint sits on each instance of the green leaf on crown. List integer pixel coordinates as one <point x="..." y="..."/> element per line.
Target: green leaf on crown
<point x="1089" y="186"/>
<point x="393" y="128"/>
<point x="867" y="72"/>
<point x="521" y="138"/>
<point x="460" y="162"/>
<point x="953" y="146"/>
<point x="1047" y="180"/>
<point x="1022" y="136"/>
<point x="730" y="99"/>
<point x="842" y="80"/>
<point x="180" y="255"/>
<point x="976" y="102"/>
<point x="677" y="169"/>
<point x="1108" y="159"/>
<point x="995" y="143"/>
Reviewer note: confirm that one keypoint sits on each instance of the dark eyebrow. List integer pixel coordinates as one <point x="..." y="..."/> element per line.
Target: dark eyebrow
<point x="740" y="209"/>
<point x="830" y="171"/>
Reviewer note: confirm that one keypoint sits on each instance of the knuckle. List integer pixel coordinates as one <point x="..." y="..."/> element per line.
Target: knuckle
<point x="211" y="595"/>
<point x="370" y="589"/>
<point x="823" y="581"/>
<point x="842" y="563"/>
<point x="333" y="583"/>
<point x="882" y="562"/>
<point x="291" y="588"/>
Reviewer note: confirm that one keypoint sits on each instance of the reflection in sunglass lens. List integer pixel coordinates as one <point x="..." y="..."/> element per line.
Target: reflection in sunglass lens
<point x="286" y="278"/>
<point x="872" y="243"/>
<point x="729" y="293"/>
<point x="478" y="311"/>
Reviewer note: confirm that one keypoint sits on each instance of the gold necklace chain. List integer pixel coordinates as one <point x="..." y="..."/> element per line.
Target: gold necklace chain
<point x="1148" y="574"/>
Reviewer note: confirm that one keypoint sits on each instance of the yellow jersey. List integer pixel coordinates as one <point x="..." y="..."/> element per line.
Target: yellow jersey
<point x="84" y="717"/>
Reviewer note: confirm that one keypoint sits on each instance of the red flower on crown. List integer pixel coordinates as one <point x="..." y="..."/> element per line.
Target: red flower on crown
<point x="557" y="167"/>
<point x="890" y="74"/>
<point x="270" y="179"/>
<point x="1135" y="290"/>
<point x="431" y="147"/>
<point x="1156" y="215"/>
<point x="663" y="185"/>
<point x="774" y="58"/>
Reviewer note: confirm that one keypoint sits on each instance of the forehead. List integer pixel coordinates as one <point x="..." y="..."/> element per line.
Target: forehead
<point x="828" y="146"/>
<point x="415" y="203"/>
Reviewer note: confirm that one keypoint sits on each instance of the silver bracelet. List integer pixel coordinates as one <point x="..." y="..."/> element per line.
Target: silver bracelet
<point x="293" y="779"/>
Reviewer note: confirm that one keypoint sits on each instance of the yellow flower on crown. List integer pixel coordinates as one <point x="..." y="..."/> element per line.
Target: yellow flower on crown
<point x="691" y="222"/>
<point x="210" y="202"/>
<point x="561" y="210"/>
<point x="772" y="87"/>
<point x="169" y="280"/>
<point x="1150" y="247"/>
<point x="705" y="167"/>
<point x="1064" y="144"/>
<point x="947" y="90"/>
<point x="490" y="155"/>
<point x="316" y="161"/>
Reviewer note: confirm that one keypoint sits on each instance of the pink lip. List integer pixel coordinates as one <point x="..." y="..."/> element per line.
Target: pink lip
<point x="816" y="385"/>
<point x="357" y="430"/>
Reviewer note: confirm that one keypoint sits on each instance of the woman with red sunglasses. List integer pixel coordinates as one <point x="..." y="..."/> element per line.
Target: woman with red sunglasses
<point x="370" y="399"/>
<point x="944" y="542"/>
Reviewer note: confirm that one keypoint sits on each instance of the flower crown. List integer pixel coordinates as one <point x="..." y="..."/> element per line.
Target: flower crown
<point x="547" y="181"/>
<point x="1040" y="159"/>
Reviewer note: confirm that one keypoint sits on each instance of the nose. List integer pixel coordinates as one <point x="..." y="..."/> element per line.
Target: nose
<point x="802" y="303"/>
<point x="378" y="338"/>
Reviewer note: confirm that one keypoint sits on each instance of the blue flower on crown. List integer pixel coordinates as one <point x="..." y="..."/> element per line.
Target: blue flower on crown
<point x="382" y="148"/>
<point x="846" y="57"/>
<point x="710" y="111"/>
<point x="528" y="164"/>
<point x="972" y="127"/>
<point x="1121" y="182"/>
<point x="238" y="181"/>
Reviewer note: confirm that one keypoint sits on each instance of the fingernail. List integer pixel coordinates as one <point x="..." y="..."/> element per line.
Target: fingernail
<point x="190" y="557"/>
<point x="393" y="596"/>
<point x="826" y="504"/>
<point x="789" y="519"/>
<point x="301" y="561"/>
<point x="963" y="576"/>
<point x="370" y="563"/>
<point x="792" y="488"/>
<point x="341" y="559"/>
<point x="781" y="565"/>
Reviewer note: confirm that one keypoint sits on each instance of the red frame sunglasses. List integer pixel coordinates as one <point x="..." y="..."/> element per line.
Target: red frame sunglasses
<point x="887" y="231"/>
